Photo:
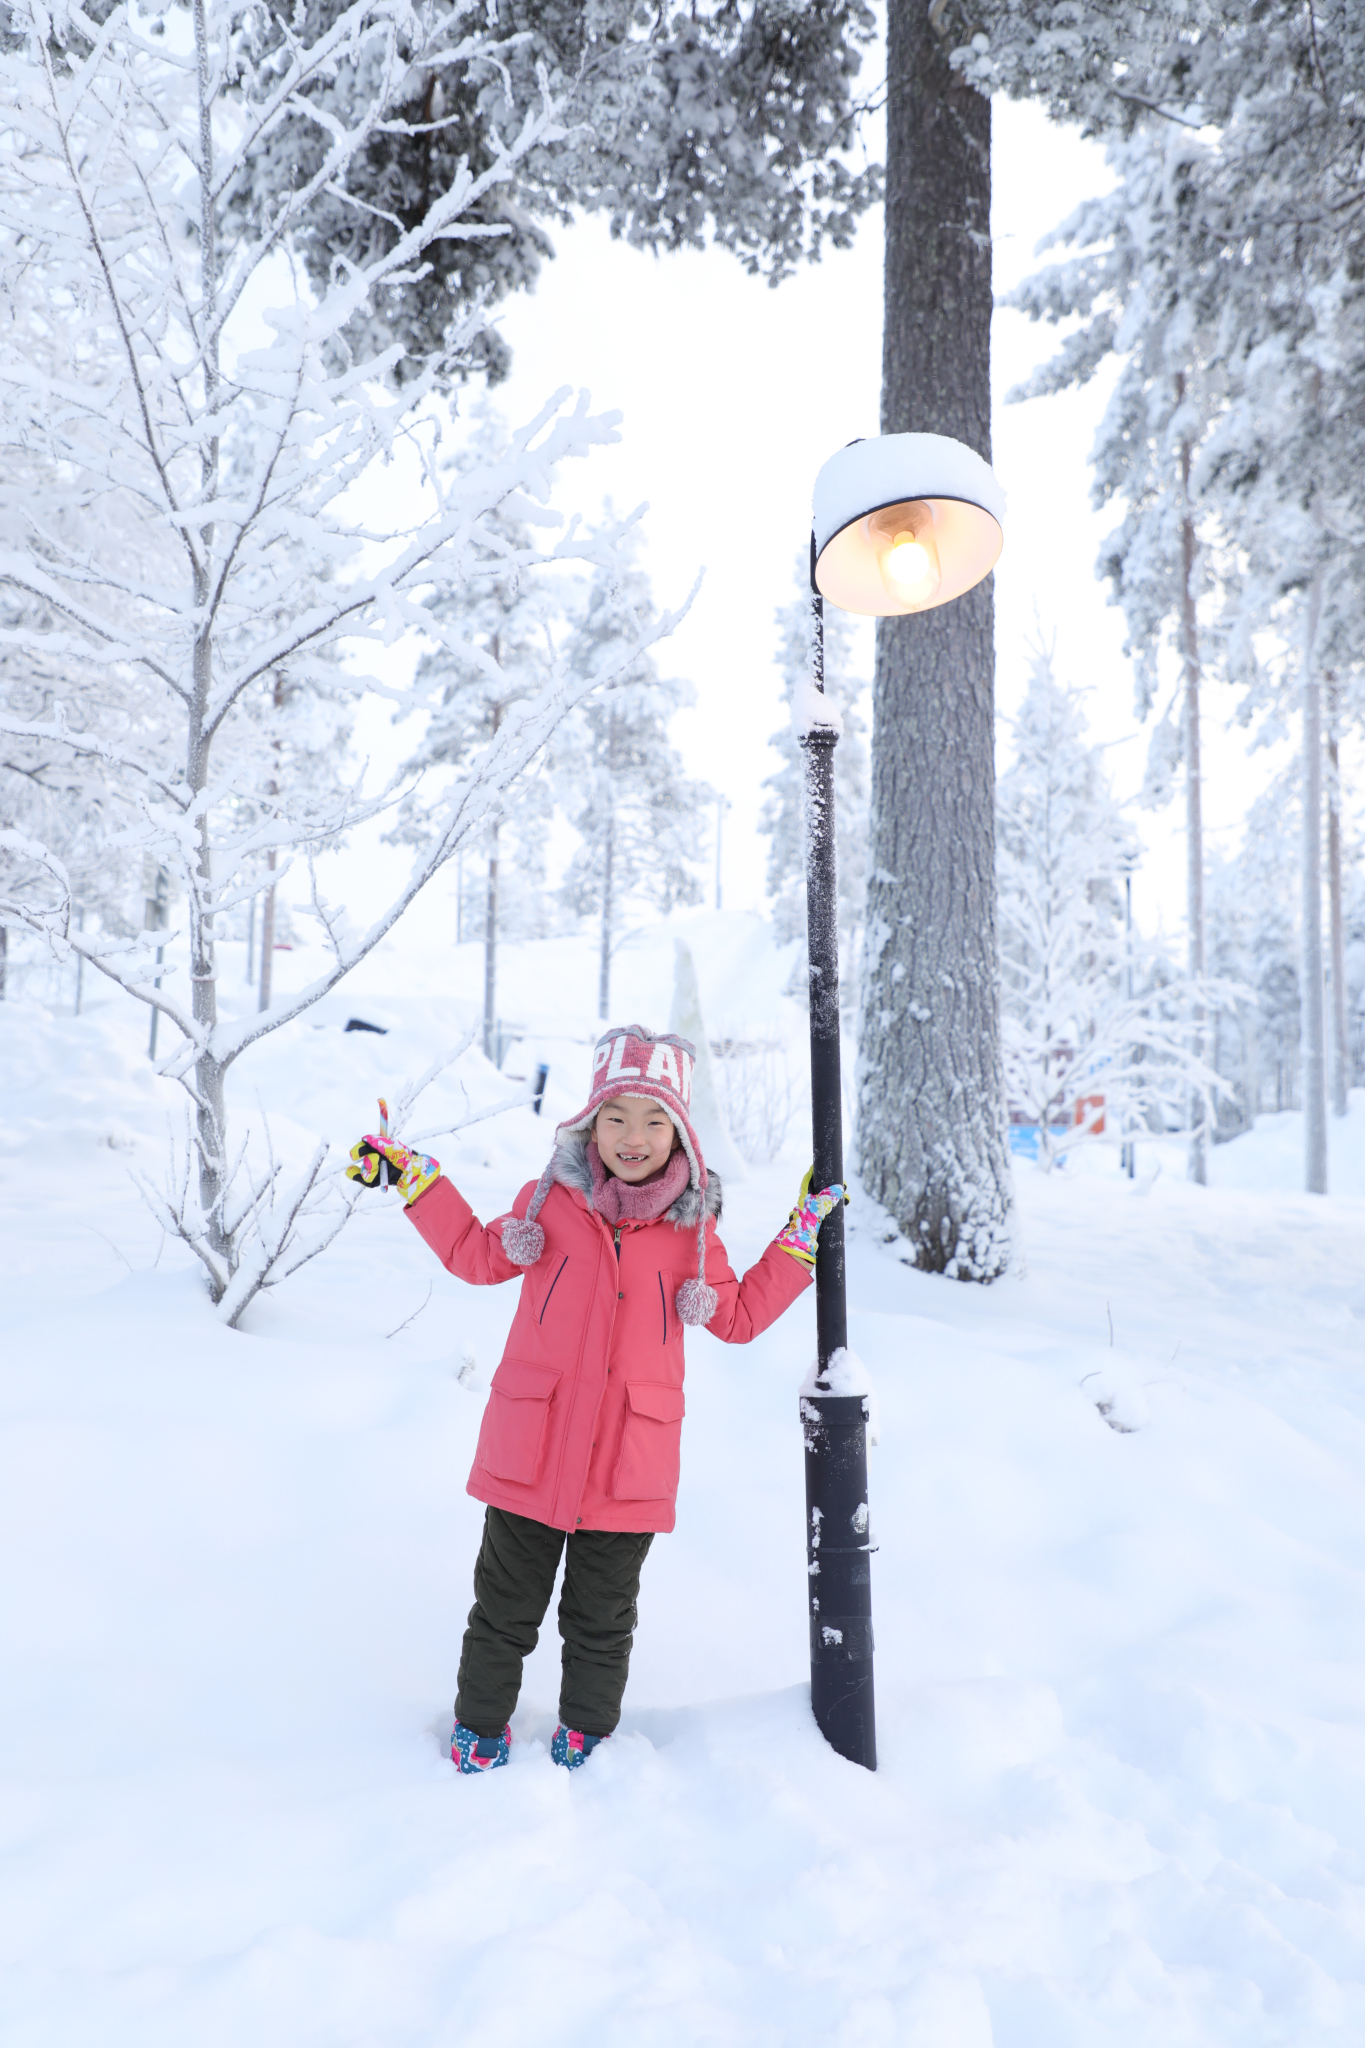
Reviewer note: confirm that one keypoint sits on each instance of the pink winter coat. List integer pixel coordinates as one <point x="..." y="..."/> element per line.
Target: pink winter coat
<point x="584" y="1418"/>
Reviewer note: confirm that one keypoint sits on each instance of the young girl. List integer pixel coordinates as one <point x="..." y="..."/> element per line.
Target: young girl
<point x="578" y="1450"/>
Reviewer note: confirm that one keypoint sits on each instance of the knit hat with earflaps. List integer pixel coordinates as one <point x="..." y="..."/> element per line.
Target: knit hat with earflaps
<point x="629" y="1060"/>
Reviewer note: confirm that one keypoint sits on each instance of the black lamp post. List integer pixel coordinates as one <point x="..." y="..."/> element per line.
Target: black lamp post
<point x="901" y="524"/>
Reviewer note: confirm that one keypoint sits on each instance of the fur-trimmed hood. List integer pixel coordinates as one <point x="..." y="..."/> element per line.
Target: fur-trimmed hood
<point x="571" y="1169"/>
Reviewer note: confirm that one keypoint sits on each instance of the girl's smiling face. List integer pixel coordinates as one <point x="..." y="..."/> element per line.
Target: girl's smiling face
<point x="635" y="1137"/>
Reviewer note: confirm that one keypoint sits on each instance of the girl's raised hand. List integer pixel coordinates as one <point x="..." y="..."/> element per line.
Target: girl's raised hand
<point x="382" y="1162"/>
<point x="800" y="1234"/>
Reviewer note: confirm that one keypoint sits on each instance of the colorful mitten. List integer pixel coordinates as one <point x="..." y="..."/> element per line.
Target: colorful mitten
<point x="383" y="1163"/>
<point x="570" y="1748"/>
<point x="800" y="1233"/>
<point x="470" y="1752"/>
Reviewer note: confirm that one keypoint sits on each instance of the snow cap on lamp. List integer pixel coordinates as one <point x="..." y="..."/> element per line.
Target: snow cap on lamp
<point x="926" y="493"/>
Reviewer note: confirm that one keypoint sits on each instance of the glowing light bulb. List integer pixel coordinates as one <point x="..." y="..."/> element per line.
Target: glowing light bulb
<point x="910" y="566"/>
<point x="907" y="563"/>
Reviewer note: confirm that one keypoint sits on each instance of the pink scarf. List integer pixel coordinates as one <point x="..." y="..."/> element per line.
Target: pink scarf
<point x="621" y="1201"/>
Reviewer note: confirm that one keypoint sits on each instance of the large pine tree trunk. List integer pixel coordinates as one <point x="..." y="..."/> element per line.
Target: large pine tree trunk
<point x="1314" y="1049"/>
<point x="931" y="1134"/>
<point x="1194" y="821"/>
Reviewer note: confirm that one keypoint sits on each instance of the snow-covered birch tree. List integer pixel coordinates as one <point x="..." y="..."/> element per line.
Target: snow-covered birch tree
<point x="187" y="510"/>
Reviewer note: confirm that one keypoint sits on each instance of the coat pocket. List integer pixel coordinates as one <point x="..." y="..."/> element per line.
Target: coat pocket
<point x="516" y="1420"/>
<point x="647" y="1468"/>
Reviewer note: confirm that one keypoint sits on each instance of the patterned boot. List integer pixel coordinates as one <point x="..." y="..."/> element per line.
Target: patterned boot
<point x="470" y="1752"/>
<point x="571" y="1749"/>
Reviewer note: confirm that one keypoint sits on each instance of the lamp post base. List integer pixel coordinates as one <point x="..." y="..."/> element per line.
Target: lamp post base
<point x="838" y="1573"/>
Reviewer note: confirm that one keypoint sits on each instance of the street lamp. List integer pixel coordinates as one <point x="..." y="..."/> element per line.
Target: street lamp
<point x="902" y="523"/>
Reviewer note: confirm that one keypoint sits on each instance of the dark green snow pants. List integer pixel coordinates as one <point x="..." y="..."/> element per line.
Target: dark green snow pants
<point x="514" y="1576"/>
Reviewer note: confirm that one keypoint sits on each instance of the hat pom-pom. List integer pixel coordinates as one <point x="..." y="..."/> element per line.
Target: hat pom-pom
<point x="696" y="1302"/>
<point x="522" y="1240"/>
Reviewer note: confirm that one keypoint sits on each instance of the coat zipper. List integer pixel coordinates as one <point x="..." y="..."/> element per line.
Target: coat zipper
<point x="616" y="1239"/>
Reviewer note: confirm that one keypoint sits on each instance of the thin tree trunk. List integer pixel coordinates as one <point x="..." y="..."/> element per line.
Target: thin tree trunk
<point x="267" y="936"/>
<point x="272" y="788"/>
<point x="490" y="946"/>
<point x="1341" y="1050"/>
<point x="210" y="1118"/>
<point x="608" y="886"/>
<point x="1314" y="1048"/>
<point x="1194" y="817"/>
<point x="490" y="921"/>
<point x="251" y="942"/>
<point x="604" y="964"/>
<point x="156" y="922"/>
<point x="931" y="1126"/>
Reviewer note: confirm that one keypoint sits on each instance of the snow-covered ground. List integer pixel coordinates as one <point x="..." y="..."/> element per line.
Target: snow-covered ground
<point x="1121" y="1797"/>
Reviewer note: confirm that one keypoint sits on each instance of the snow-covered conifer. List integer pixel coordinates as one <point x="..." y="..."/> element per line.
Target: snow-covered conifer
<point x="1146" y="288"/>
<point x="640" y="819"/>
<point x="1271" y="212"/>
<point x="1253" y="939"/>
<point x="515" y="623"/>
<point x="1089" y="1034"/>
<point x="688" y="127"/>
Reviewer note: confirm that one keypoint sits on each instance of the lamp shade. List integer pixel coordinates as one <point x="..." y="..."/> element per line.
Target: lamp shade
<point x="904" y="522"/>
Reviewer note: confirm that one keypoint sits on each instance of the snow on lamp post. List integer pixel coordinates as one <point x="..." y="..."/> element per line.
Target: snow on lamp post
<point x="900" y="524"/>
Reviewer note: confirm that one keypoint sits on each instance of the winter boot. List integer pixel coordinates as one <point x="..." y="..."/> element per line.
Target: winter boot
<point x="570" y="1748"/>
<point x="471" y="1752"/>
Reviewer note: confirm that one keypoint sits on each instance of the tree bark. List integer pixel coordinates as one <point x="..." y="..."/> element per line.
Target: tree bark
<point x="1341" y="1050"/>
<point x="267" y="939"/>
<point x="1194" y="818"/>
<point x="1314" y="1049"/>
<point x="209" y="1072"/>
<point x="490" y="947"/>
<point x="931" y="1127"/>
<point x="604" y="962"/>
<point x="272" y="788"/>
<point x="608" y="885"/>
<point x="490" y="915"/>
